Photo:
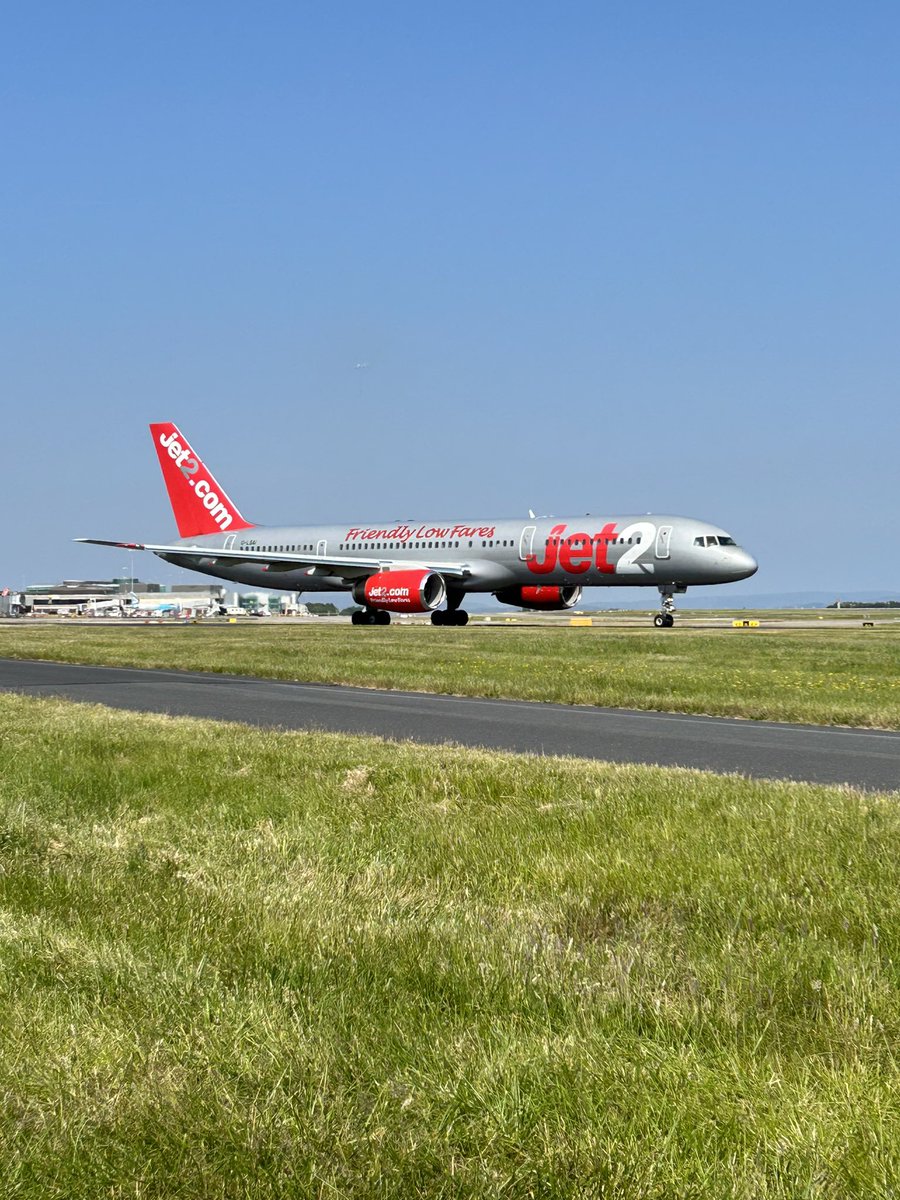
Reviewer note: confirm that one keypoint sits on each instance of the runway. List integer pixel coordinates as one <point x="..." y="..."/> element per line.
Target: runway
<point x="761" y="749"/>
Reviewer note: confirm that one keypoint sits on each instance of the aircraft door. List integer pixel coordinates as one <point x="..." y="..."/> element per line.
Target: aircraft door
<point x="662" y="541"/>
<point x="229" y="542"/>
<point x="321" y="547"/>
<point x="526" y="542"/>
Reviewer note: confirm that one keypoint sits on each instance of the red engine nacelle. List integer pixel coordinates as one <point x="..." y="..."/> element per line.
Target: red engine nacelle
<point x="401" y="591"/>
<point x="541" y="599"/>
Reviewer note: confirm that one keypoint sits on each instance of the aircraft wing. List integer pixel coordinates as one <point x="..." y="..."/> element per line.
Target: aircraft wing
<point x="315" y="564"/>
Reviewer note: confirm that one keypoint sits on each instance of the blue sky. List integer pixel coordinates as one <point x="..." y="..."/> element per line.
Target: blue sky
<point x="596" y="257"/>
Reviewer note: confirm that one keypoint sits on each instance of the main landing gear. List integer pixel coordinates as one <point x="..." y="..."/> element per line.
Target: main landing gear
<point x="371" y="616"/>
<point x="449" y="616"/>
<point x="452" y="614"/>
<point x="665" y="618"/>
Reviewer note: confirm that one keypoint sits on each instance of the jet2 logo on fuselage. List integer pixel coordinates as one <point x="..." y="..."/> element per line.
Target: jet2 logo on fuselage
<point x="577" y="553"/>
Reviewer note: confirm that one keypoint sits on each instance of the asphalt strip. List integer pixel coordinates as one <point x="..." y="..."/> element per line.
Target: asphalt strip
<point x="864" y="758"/>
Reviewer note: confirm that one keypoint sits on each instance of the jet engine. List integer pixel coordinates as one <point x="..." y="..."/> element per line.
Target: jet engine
<point x="540" y="599"/>
<point x="414" y="591"/>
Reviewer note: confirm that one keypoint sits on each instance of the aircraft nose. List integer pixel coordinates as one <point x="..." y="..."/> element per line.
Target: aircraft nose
<point x="743" y="564"/>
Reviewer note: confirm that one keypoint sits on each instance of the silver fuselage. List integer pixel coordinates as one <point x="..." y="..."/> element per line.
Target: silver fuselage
<point x="648" y="550"/>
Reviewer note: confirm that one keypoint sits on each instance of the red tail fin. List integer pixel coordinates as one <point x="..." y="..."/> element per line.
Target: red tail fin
<point x="199" y="503"/>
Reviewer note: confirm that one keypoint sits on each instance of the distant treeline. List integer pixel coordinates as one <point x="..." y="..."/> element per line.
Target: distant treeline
<point x="865" y="604"/>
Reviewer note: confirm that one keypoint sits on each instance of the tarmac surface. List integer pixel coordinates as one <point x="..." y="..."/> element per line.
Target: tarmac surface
<point x="762" y="749"/>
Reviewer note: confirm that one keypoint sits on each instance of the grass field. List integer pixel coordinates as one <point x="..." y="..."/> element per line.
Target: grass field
<point x="248" y="964"/>
<point x="823" y="676"/>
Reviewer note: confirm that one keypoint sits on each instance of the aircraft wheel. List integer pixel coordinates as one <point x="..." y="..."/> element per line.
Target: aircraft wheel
<point x="462" y="617"/>
<point x="382" y="617"/>
<point x="668" y="620"/>
<point x="660" y="620"/>
<point x="439" y="617"/>
<point x="356" y="618"/>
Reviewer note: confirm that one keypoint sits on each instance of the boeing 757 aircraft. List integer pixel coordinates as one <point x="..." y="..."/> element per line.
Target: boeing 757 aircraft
<point x="429" y="566"/>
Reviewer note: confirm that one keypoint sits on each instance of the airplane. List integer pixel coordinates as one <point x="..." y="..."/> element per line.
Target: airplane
<point x="540" y="564"/>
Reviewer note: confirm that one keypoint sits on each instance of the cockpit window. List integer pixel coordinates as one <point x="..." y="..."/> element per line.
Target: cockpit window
<point x="712" y="539"/>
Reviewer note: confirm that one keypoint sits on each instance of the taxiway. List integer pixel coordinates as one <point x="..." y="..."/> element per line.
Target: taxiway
<point x="761" y="749"/>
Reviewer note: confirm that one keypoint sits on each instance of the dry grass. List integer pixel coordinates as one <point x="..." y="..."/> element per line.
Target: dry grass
<point x="829" y="676"/>
<point x="257" y="964"/>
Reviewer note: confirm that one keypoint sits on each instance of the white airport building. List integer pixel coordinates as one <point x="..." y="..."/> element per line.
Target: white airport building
<point x="135" y="598"/>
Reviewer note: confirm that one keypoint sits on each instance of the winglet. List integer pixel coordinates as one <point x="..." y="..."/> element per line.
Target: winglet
<point x="199" y="503"/>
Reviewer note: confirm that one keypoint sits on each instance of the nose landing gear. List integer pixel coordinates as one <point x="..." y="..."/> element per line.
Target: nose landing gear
<point x="665" y="618"/>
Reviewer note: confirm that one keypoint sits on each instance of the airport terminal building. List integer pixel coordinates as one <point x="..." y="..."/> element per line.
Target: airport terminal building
<point x="139" y="598"/>
<point x="108" y="597"/>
